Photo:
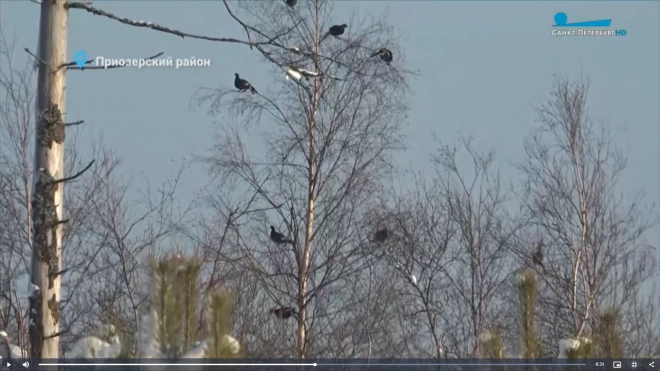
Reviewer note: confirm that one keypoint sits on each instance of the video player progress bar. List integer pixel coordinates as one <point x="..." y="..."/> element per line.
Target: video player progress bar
<point x="178" y="364"/>
<point x="314" y="364"/>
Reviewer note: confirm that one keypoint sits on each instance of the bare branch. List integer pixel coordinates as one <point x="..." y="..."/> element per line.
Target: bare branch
<point x="41" y="62"/>
<point x="59" y="333"/>
<point x="76" y="175"/>
<point x="56" y="274"/>
<point x="156" y="27"/>
<point x="76" y="123"/>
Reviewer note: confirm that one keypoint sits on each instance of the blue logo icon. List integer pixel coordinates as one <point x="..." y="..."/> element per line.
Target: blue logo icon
<point x="80" y="58"/>
<point x="561" y="20"/>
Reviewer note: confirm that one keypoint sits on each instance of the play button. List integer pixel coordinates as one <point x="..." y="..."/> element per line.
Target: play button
<point x="8" y="364"/>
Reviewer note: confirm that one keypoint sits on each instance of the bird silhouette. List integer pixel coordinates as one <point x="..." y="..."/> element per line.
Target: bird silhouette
<point x="284" y="312"/>
<point x="243" y="85"/>
<point x="291" y="3"/>
<point x="278" y="237"/>
<point x="537" y="257"/>
<point x="381" y="235"/>
<point x="335" y="31"/>
<point x="384" y="54"/>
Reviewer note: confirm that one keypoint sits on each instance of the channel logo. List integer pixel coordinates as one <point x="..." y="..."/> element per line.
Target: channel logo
<point x="601" y="27"/>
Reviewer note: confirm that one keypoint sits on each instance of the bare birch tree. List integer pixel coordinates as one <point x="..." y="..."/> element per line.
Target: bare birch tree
<point x="416" y="254"/>
<point x="327" y="142"/>
<point x="454" y="237"/>
<point x="478" y="208"/>
<point x="596" y="257"/>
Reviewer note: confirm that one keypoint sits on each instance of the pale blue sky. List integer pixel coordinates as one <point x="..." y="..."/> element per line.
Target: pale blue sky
<point x="483" y="66"/>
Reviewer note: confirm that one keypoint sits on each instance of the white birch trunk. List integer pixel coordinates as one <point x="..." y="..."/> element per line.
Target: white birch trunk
<point x="303" y="272"/>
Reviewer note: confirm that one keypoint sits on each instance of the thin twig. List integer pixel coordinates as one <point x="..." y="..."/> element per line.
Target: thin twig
<point x="239" y="21"/>
<point x="271" y="40"/>
<point x="74" y="65"/>
<point x="34" y="56"/>
<point x="73" y="177"/>
<point x="74" y="123"/>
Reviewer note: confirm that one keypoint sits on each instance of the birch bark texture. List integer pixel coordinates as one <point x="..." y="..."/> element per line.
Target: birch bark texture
<point x="47" y="190"/>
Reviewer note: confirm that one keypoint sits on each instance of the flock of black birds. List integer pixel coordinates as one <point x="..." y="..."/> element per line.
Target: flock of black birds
<point x="287" y="312"/>
<point x="380" y="236"/>
<point x="281" y="312"/>
<point x="336" y="31"/>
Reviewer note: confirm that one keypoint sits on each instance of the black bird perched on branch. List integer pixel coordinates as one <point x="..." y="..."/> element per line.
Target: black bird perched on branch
<point x="381" y="235"/>
<point x="537" y="258"/>
<point x="291" y="3"/>
<point x="243" y="85"/>
<point x="284" y="312"/>
<point x="335" y="31"/>
<point x="278" y="237"/>
<point x="384" y="54"/>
